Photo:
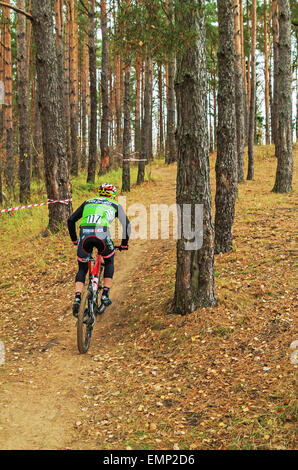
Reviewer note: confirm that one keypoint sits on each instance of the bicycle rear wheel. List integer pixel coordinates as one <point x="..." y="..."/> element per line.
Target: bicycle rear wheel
<point x="84" y="323"/>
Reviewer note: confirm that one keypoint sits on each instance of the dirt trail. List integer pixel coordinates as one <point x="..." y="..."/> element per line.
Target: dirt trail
<point x="221" y="378"/>
<point x="41" y="399"/>
<point x="38" y="410"/>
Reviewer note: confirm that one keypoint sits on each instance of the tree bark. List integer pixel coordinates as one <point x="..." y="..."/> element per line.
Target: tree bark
<point x="150" y="142"/>
<point x="8" y="109"/>
<point x="248" y="66"/>
<point x="118" y="101"/>
<point x="73" y="60"/>
<point x="171" y="155"/>
<point x="84" y="100"/>
<point x="252" y="106"/>
<point x="270" y="77"/>
<point x="36" y="133"/>
<point x="284" y="136"/>
<point x="239" y="92"/>
<point x="104" y="141"/>
<point x="266" y="77"/>
<point x="67" y="86"/>
<point x="244" y="78"/>
<point x="93" y="95"/>
<point x="215" y="112"/>
<point x="194" y="286"/>
<point x="145" y="131"/>
<point x="126" y="131"/>
<point x="23" y="108"/>
<point x="2" y="100"/>
<point x="55" y="158"/>
<point x="275" y="26"/>
<point x="160" y="94"/>
<point x="59" y="42"/>
<point x="226" y="162"/>
<point x="138" y="106"/>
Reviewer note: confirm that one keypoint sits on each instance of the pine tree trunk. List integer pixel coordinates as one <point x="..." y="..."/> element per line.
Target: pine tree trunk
<point x="118" y="102"/>
<point x="126" y="131"/>
<point x="23" y="108"/>
<point x="239" y="93"/>
<point x="2" y="100"/>
<point x="211" y="138"/>
<point x="252" y="106"/>
<point x="270" y="76"/>
<point x="248" y="67"/>
<point x="93" y="95"/>
<point x="284" y="136"/>
<point x="171" y="155"/>
<point x="267" y="118"/>
<point x="51" y="108"/>
<point x="150" y="143"/>
<point x="226" y="162"/>
<point x="111" y="107"/>
<point x="59" y="41"/>
<point x="194" y="286"/>
<point x="74" y="116"/>
<point x="160" y="93"/>
<point x="244" y="78"/>
<point x="138" y="106"/>
<point x="67" y="86"/>
<point x="104" y="141"/>
<point x="36" y="132"/>
<point x="275" y="26"/>
<point x="296" y="101"/>
<point x="8" y="109"/>
<point x="145" y="131"/>
<point x="84" y="100"/>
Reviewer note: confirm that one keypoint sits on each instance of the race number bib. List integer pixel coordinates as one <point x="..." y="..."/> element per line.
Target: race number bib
<point x="94" y="219"/>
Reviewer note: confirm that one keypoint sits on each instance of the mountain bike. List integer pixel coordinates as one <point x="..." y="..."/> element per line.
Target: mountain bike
<point x="89" y="308"/>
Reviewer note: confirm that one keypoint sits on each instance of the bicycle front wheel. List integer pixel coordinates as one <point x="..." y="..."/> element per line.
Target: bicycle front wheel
<point x="84" y="323"/>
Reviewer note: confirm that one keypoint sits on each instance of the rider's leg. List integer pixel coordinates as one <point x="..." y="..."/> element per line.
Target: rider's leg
<point x="79" y="284"/>
<point x="79" y="287"/>
<point x="107" y="279"/>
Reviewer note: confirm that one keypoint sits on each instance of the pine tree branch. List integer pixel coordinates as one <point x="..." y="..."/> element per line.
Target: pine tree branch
<point x="84" y="6"/>
<point x="18" y="10"/>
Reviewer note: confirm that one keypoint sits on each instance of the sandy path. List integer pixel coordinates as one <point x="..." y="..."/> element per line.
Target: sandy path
<point x="38" y="410"/>
<point x="41" y="396"/>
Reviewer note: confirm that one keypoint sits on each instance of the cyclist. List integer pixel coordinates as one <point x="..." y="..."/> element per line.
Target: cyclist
<point x="97" y="214"/>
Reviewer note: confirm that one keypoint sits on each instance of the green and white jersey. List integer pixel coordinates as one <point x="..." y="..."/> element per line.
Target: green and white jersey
<point x="99" y="211"/>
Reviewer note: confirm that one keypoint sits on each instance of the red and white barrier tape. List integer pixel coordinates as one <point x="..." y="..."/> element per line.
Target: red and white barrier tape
<point x="50" y="201"/>
<point x="134" y="160"/>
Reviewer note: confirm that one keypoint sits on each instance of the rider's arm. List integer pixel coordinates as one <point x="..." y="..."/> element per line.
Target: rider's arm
<point x="126" y="227"/>
<point x="71" y="222"/>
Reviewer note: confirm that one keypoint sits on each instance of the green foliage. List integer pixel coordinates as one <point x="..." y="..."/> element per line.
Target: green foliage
<point x="294" y="15"/>
<point x="148" y="27"/>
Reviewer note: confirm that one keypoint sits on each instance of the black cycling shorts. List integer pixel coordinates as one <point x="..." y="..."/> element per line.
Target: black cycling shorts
<point x="94" y="237"/>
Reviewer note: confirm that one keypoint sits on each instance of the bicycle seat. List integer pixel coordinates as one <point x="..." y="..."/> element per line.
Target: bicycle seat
<point x="89" y="258"/>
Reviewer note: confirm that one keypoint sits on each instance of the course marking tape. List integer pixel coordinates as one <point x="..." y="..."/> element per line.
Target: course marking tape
<point x="134" y="160"/>
<point x="50" y="201"/>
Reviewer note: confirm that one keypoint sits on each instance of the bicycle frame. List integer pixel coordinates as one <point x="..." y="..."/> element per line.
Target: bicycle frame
<point x="94" y="276"/>
<point x="94" y="272"/>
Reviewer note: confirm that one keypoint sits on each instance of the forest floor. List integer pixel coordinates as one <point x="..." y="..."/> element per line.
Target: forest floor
<point x="220" y="378"/>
